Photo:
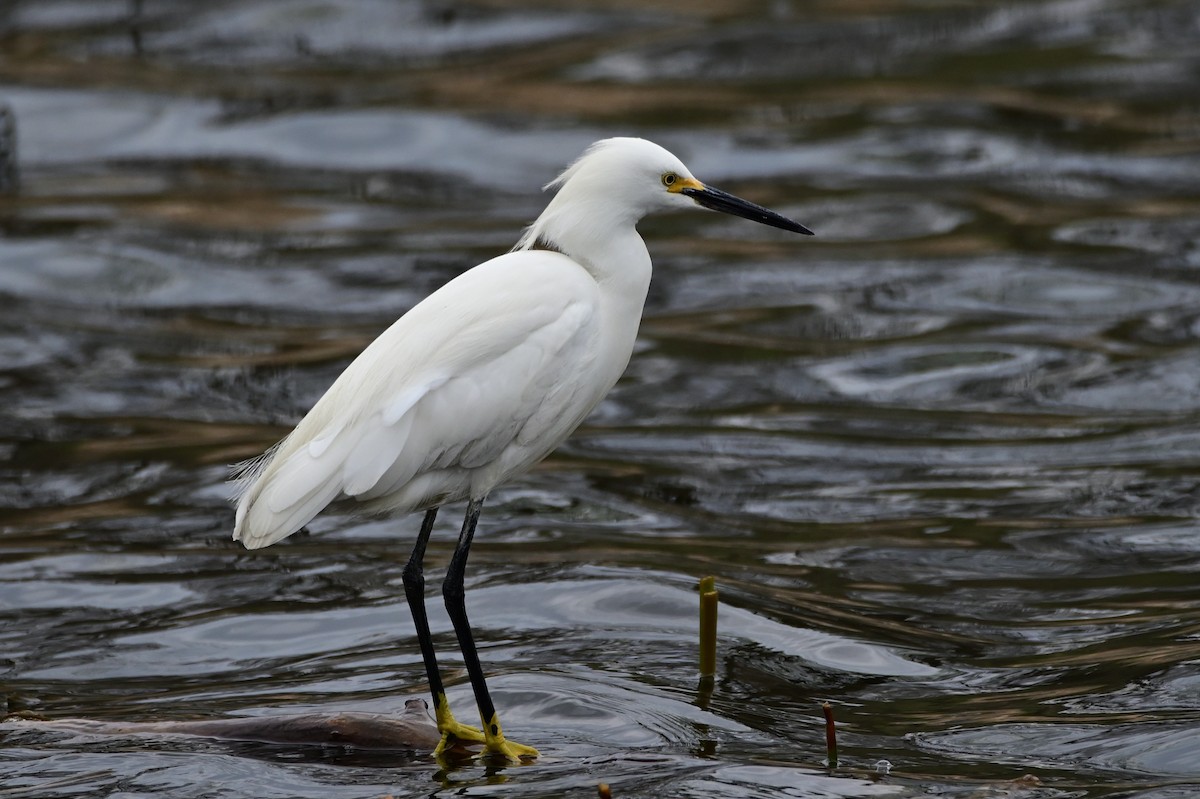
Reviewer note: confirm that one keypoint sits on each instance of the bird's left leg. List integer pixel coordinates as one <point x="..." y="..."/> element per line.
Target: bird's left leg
<point x="414" y="589"/>
<point x="456" y="606"/>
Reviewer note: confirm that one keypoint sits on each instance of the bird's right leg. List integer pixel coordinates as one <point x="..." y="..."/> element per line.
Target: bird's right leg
<point x="456" y="605"/>
<point x="414" y="589"/>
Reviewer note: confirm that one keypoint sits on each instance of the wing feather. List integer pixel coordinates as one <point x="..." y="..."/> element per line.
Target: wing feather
<point x="445" y="389"/>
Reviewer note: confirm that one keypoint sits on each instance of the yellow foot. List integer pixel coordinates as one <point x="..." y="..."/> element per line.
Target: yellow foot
<point x="510" y="749"/>
<point x="496" y="744"/>
<point x="453" y="731"/>
<point x="460" y="734"/>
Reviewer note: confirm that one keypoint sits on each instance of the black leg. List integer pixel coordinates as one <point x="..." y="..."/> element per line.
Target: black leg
<point x="456" y="605"/>
<point x="414" y="591"/>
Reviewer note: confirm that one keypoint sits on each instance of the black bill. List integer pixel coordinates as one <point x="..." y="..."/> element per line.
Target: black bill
<point x="726" y="203"/>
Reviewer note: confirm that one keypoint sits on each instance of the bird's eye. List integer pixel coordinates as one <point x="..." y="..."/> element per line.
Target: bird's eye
<point x="669" y="178"/>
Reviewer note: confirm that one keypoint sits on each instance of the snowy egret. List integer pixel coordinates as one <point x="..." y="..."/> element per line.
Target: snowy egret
<point x="481" y="380"/>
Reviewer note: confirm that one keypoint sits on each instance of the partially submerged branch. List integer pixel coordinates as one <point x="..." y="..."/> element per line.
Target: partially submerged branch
<point x="411" y="730"/>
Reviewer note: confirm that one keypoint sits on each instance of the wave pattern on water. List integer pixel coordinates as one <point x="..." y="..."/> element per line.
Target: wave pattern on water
<point x="942" y="458"/>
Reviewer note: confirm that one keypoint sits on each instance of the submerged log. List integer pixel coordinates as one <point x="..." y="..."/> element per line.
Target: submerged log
<point x="412" y="729"/>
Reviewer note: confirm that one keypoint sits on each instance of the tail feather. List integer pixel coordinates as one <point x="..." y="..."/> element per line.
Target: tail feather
<point x="259" y="527"/>
<point x="287" y="491"/>
<point x="290" y="485"/>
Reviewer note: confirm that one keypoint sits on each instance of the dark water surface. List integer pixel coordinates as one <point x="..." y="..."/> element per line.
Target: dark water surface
<point x="942" y="459"/>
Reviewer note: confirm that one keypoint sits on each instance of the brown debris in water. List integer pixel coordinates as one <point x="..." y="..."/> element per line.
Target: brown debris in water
<point x="412" y="729"/>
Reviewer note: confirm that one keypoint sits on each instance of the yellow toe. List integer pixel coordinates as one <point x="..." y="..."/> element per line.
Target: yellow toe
<point x="510" y="749"/>
<point x="453" y="731"/>
<point x="496" y="744"/>
<point x="459" y="734"/>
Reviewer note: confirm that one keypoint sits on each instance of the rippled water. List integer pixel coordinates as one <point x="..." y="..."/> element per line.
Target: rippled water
<point x="942" y="459"/>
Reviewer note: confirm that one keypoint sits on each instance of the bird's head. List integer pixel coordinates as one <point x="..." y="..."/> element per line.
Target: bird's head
<point x="621" y="180"/>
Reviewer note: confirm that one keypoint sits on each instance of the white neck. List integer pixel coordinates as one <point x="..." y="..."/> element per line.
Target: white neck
<point x="602" y="237"/>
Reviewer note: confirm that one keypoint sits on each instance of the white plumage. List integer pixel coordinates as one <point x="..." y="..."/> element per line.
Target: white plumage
<point x="455" y="396"/>
<point x="482" y="379"/>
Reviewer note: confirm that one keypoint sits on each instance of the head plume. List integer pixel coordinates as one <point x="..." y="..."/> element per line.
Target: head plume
<point x="614" y="180"/>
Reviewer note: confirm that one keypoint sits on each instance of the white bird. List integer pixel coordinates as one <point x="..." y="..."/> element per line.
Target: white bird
<point x="481" y="380"/>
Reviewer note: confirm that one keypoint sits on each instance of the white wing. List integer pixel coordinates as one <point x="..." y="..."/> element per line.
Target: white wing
<point x="499" y="355"/>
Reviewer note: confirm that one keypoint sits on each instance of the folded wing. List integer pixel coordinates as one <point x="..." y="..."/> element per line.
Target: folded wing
<point x="453" y="389"/>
